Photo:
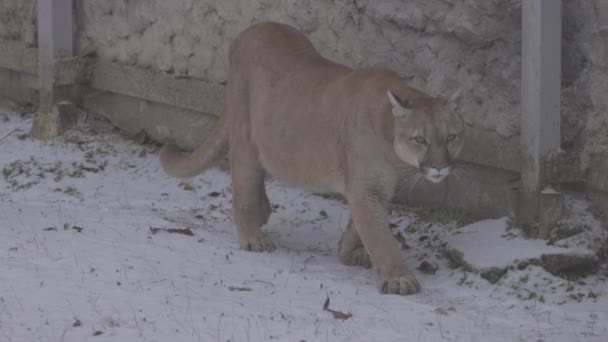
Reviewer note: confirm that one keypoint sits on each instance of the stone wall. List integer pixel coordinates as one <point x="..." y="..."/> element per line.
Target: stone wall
<point x="585" y="75"/>
<point x="18" y="32"/>
<point x="18" y="20"/>
<point x="437" y="45"/>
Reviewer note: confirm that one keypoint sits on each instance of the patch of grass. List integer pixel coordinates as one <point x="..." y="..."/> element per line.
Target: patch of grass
<point x="524" y="279"/>
<point x="323" y="214"/>
<point x="570" y="287"/>
<point x="69" y="190"/>
<point x="465" y="281"/>
<point x="577" y="296"/>
<point x="331" y="196"/>
<point x="564" y="230"/>
<point x="186" y="186"/>
<point x="457" y="217"/>
<point x="493" y="274"/>
<point x="415" y="226"/>
<point x="530" y="229"/>
<point x="456" y="259"/>
<point x="24" y="174"/>
<point x="276" y="207"/>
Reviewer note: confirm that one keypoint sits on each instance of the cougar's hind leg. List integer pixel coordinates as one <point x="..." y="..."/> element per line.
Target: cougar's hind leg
<point x="250" y="207"/>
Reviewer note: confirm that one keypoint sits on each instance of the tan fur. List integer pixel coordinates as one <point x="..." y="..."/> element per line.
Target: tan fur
<point x="323" y="127"/>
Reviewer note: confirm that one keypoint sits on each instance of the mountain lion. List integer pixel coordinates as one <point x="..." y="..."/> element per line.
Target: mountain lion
<point x="323" y="127"/>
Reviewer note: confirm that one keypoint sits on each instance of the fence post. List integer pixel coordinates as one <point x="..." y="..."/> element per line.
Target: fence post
<point x="55" y="41"/>
<point x="540" y="105"/>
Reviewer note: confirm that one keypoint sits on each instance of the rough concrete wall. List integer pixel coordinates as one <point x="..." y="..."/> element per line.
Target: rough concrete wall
<point x="18" y="20"/>
<point x="437" y="45"/>
<point x="585" y="75"/>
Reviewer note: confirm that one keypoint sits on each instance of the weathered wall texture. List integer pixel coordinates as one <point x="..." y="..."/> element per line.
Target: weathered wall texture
<point x="585" y="75"/>
<point x="18" y="20"/>
<point x="437" y="45"/>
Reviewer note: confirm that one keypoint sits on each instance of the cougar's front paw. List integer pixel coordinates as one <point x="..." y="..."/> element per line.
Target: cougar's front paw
<point x="402" y="283"/>
<point x="259" y="242"/>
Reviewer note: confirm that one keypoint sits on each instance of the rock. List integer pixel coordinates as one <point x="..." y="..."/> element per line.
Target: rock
<point x="486" y="248"/>
<point x="567" y="265"/>
<point x="493" y="274"/>
<point x="428" y="267"/>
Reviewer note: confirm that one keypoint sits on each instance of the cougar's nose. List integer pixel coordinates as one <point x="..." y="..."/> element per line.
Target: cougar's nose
<point x="440" y="166"/>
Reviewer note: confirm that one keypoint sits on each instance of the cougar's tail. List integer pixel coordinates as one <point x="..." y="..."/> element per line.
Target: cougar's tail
<point x="179" y="164"/>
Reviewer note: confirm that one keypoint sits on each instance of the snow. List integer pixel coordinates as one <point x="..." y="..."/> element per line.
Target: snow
<point x="79" y="262"/>
<point x="484" y="245"/>
<point x="549" y="191"/>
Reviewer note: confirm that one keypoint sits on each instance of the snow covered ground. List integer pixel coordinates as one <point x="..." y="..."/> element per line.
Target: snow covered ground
<point x="97" y="244"/>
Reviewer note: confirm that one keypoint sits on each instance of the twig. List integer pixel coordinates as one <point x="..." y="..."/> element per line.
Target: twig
<point x="183" y="231"/>
<point x="239" y="289"/>
<point x="10" y="133"/>
<point x="259" y="281"/>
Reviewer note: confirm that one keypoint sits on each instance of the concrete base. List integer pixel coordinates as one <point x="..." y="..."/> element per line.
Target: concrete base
<point x="63" y="116"/>
<point x="551" y="210"/>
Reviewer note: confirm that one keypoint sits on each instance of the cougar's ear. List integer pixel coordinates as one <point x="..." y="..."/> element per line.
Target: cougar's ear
<point x="401" y="108"/>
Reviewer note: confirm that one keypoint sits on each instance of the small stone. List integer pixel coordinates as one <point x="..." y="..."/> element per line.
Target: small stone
<point x="428" y="267"/>
<point x="569" y="264"/>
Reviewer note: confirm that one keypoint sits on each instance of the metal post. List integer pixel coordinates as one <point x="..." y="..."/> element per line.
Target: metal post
<point x="540" y="96"/>
<point x="55" y="41"/>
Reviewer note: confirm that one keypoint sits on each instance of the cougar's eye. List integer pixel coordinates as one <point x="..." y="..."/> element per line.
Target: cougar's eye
<point x="420" y="140"/>
<point x="451" y="137"/>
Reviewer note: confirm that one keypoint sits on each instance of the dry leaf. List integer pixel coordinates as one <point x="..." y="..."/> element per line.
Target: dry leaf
<point x="337" y="314"/>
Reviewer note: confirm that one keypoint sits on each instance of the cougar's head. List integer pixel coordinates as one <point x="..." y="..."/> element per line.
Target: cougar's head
<point x="429" y="134"/>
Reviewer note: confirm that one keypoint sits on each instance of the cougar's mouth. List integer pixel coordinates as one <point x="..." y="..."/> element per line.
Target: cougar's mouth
<point x="436" y="175"/>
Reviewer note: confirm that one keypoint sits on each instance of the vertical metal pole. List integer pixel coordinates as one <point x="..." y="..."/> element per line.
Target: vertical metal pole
<point x="540" y="96"/>
<point x="55" y="40"/>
